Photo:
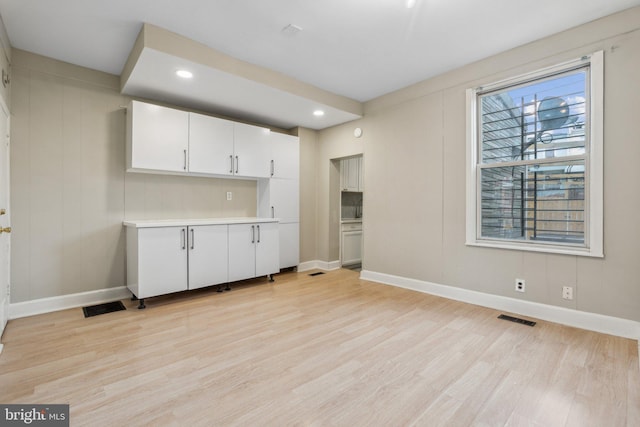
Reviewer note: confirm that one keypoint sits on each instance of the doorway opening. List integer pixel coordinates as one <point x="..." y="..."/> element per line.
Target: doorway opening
<point x="351" y="195"/>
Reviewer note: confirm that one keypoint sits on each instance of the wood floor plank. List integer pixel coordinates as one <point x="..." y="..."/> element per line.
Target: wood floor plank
<point x="327" y="350"/>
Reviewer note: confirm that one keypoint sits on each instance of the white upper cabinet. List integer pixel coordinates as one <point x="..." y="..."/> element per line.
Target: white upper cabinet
<point x="360" y="173"/>
<point x="351" y="174"/>
<point x="157" y="138"/>
<point x="223" y="147"/>
<point x="285" y="156"/>
<point x="251" y="151"/>
<point x="161" y="139"/>
<point x="210" y="145"/>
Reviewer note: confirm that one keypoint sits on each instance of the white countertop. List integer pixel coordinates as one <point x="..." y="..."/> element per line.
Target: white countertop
<point x="147" y="223"/>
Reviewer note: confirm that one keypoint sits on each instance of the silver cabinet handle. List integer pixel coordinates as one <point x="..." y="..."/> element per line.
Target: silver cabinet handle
<point x="237" y="162"/>
<point x="253" y="234"/>
<point x="185" y="160"/>
<point x="231" y="161"/>
<point x="258" y="233"/>
<point x="182" y="232"/>
<point x="273" y="212"/>
<point x="193" y="239"/>
<point x="272" y="168"/>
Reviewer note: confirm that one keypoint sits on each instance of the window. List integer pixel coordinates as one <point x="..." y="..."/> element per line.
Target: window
<point x="534" y="153"/>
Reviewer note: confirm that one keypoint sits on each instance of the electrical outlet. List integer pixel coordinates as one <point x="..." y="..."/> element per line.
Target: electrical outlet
<point x="567" y="292"/>
<point x="229" y="195"/>
<point x="520" y="285"/>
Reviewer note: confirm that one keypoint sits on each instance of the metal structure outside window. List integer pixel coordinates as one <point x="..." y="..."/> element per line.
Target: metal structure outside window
<point x="532" y="153"/>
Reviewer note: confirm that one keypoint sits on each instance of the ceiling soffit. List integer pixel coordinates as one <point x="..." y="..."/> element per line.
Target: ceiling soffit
<point x="225" y="85"/>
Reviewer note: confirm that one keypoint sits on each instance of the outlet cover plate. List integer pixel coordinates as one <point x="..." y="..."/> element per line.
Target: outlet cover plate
<point x="567" y="292"/>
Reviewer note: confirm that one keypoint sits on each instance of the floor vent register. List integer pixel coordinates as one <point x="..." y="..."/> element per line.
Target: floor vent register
<point x="108" y="307"/>
<point x="517" y="320"/>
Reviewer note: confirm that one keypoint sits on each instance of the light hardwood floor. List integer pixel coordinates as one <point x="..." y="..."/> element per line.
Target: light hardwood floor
<point x="329" y="350"/>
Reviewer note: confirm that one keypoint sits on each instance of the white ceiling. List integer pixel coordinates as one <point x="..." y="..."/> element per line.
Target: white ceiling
<point x="360" y="49"/>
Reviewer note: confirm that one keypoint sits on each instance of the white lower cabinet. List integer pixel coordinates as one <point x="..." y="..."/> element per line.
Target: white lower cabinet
<point x="351" y="247"/>
<point x="351" y="252"/>
<point x="156" y="261"/>
<point x="165" y="259"/>
<point x="208" y="255"/>
<point x="267" y="249"/>
<point x="289" y="244"/>
<point x="253" y="250"/>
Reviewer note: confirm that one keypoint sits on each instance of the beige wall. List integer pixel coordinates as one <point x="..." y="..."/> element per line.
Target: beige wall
<point x="308" y="194"/>
<point x="414" y="203"/>
<point x="69" y="189"/>
<point x="5" y="63"/>
<point x="334" y="143"/>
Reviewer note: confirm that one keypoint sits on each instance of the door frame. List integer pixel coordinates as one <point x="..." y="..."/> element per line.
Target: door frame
<point x="5" y="294"/>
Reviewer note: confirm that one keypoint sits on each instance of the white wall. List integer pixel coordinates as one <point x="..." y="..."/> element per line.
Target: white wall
<point x="414" y="204"/>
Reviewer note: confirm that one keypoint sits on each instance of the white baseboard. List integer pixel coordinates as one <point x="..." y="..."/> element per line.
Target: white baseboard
<point x="63" y="302"/>
<point x="317" y="264"/>
<point x="579" y="319"/>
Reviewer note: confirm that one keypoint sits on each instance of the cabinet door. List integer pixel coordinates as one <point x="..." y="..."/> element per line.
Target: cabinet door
<point x="158" y="138"/>
<point x="242" y="251"/>
<point x="267" y="249"/>
<point x="208" y="256"/>
<point x="210" y="145"/>
<point x="289" y="244"/>
<point x="344" y="174"/>
<point x="162" y="261"/>
<point x="360" y="173"/>
<point x="351" y="247"/>
<point x="285" y="199"/>
<point x="349" y="174"/>
<point x="285" y="156"/>
<point x="252" y="155"/>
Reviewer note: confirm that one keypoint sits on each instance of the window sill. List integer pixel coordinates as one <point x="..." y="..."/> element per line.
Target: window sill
<point x="533" y="247"/>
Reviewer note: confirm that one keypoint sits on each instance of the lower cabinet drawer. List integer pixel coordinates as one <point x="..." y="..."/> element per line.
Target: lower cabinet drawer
<point x="356" y="226"/>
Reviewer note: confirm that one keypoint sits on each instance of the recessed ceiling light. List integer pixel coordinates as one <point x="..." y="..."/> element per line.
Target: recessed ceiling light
<point x="411" y="3"/>
<point x="185" y="74"/>
<point x="318" y="113"/>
